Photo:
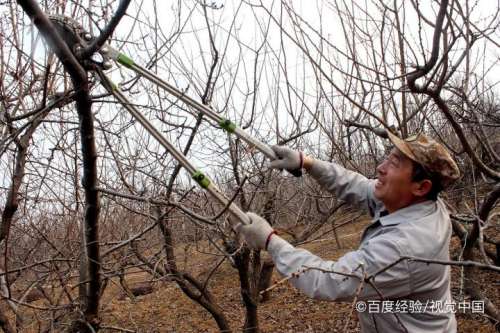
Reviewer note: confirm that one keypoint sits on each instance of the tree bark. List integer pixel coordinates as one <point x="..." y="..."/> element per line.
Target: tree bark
<point x="248" y="292"/>
<point x="80" y="83"/>
<point x="265" y="279"/>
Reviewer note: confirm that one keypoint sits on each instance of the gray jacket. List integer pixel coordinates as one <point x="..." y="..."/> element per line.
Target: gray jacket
<point x="416" y="296"/>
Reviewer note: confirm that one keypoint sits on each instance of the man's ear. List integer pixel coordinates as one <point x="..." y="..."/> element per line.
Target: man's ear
<point x="421" y="188"/>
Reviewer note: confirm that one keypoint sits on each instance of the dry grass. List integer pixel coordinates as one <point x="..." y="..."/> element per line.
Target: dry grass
<point x="168" y="310"/>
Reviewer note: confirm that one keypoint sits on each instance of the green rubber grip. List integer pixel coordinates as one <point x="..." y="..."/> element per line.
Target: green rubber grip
<point x="113" y="85"/>
<point x="125" y="61"/>
<point x="201" y="179"/>
<point x="227" y="125"/>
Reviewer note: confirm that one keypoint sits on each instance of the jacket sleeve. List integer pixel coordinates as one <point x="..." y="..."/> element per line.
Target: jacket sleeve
<point x="393" y="282"/>
<point x="348" y="185"/>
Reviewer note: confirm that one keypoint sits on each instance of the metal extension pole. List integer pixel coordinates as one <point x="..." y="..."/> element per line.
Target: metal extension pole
<point x="224" y="123"/>
<point x="196" y="174"/>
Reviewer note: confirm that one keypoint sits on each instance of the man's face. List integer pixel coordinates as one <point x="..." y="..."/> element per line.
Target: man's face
<point x="394" y="182"/>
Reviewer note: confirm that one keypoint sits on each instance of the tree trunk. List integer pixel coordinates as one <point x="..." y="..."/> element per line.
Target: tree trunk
<point x="248" y="293"/>
<point x="265" y="279"/>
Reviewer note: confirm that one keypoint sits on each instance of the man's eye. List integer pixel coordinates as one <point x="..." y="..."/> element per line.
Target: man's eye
<point x="394" y="162"/>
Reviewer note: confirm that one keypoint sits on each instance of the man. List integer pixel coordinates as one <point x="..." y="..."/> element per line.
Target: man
<point x="408" y="220"/>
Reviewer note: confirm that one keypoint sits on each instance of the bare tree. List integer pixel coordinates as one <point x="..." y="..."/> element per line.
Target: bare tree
<point x="89" y="197"/>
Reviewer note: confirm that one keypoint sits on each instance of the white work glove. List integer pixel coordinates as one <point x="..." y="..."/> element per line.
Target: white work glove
<point x="257" y="233"/>
<point x="288" y="159"/>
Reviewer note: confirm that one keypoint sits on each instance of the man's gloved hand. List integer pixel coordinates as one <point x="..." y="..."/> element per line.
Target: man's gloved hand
<point x="258" y="233"/>
<point x="288" y="159"/>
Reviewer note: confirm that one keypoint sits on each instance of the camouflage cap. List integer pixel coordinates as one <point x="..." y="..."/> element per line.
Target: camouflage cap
<point x="433" y="157"/>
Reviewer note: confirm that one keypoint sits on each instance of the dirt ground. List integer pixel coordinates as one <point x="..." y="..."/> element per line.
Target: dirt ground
<point x="167" y="309"/>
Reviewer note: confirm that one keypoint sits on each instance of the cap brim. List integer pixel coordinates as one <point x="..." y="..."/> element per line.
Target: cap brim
<point x="402" y="146"/>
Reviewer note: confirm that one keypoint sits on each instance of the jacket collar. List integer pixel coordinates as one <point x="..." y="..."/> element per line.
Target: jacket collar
<point x="408" y="213"/>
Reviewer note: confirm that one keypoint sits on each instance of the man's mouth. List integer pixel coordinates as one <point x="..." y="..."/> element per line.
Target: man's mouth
<point x="379" y="183"/>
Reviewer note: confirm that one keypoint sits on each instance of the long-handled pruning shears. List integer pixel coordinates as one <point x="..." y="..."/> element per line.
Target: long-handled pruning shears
<point x="226" y="124"/>
<point x="79" y="38"/>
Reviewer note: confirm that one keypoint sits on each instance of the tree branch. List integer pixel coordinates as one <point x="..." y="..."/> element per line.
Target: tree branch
<point x="107" y="31"/>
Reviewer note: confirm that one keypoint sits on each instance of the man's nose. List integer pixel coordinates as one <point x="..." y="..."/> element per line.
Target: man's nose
<point x="381" y="167"/>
